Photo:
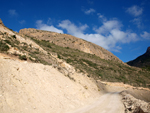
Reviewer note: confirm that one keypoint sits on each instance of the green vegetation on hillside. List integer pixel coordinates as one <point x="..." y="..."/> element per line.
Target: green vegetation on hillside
<point x="93" y="65"/>
<point x="98" y="68"/>
<point x="3" y="46"/>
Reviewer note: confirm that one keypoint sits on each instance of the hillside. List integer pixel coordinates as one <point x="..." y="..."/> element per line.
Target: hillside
<point x="65" y="40"/>
<point x="107" y="68"/>
<point x="39" y="76"/>
<point x="142" y="61"/>
<point x="69" y="59"/>
<point x="36" y="88"/>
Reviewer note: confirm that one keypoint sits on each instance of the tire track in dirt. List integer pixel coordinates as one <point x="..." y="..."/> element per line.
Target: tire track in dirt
<point x="108" y="103"/>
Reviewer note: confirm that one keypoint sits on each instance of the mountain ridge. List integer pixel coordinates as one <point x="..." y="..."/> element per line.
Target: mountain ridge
<point x="66" y="40"/>
<point x="142" y="61"/>
<point x="38" y="76"/>
<point x="66" y="59"/>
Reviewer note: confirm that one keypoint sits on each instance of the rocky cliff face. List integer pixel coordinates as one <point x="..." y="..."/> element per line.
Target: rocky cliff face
<point x="66" y="40"/>
<point x="148" y="51"/>
<point x="142" y="61"/>
<point x="1" y="23"/>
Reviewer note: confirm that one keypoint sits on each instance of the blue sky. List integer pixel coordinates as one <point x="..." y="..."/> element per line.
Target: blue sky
<point x="120" y="26"/>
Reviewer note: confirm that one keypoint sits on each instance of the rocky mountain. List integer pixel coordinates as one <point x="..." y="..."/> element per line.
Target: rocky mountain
<point x="66" y="40"/>
<point x="39" y="74"/>
<point x="69" y="54"/>
<point x="1" y="23"/>
<point x="141" y="61"/>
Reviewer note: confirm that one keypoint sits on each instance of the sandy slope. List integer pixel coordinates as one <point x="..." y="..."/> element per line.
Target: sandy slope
<point x="108" y="103"/>
<point x="36" y="88"/>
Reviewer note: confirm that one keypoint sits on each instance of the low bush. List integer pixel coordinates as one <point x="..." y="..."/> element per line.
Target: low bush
<point x="3" y="46"/>
<point x="22" y="57"/>
<point x="14" y="36"/>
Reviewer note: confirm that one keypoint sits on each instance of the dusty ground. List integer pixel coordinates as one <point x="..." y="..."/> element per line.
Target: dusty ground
<point x="35" y="88"/>
<point x="107" y="103"/>
<point x="137" y="92"/>
<point x="27" y="87"/>
<point x="135" y="99"/>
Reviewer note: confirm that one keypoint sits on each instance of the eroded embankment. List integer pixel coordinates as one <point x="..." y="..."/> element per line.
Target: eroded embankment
<point x="134" y="105"/>
<point x="36" y="88"/>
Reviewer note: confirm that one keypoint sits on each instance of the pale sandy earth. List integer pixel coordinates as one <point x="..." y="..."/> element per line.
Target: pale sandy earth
<point x="36" y="88"/>
<point x="107" y="103"/>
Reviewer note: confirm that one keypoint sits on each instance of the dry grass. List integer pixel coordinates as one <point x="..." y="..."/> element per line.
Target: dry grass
<point x="106" y="70"/>
<point x="98" y="68"/>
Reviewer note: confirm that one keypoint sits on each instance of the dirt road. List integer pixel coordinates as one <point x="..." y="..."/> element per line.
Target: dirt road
<point x="108" y="103"/>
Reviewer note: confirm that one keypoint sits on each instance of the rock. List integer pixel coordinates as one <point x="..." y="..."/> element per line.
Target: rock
<point x="139" y="110"/>
<point x="1" y="23"/>
<point x="1" y="33"/>
<point x="141" y="61"/>
<point x="133" y="105"/>
<point x="148" y="51"/>
<point x="65" y="68"/>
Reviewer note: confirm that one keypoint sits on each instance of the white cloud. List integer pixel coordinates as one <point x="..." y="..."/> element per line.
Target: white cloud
<point x="72" y="28"/>
<point x="40" y="25"/>
<point x="138" y="22"/>
<point x="135" y="10"/>
<point x="102" y="17"/>
<point x="90" y="2"/>
<point x="12" y="12"/>
<point x="108" y="26"/>
<point x="107" y="36"/>
<point x="90" y="11"/>
<point x="123" y="37"/>
<point x="145" y="35"/>
<point x="22" y="22"/>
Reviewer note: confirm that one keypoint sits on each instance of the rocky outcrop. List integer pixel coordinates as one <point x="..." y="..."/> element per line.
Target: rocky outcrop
<point x="148" y="51"/>
<point x="1" y="23"/>
<point x="133" y="105"/>
<point x="141" y="61"/>
<point x="66" y="40"/>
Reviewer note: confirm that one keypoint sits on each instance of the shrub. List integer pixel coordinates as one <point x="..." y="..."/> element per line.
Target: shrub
<point x="90" y="63"/>
<point x="3" y="46"/>
<point x="22" y="57"/>
<point x="67" y="47"/>
<point x="69" y="60"/>
<point x="14" y="36"/>
<point x="59" y="56"/>
<point x="8" y="42"/>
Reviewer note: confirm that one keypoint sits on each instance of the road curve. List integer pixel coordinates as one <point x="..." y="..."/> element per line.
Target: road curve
<point x="107" y="103"/>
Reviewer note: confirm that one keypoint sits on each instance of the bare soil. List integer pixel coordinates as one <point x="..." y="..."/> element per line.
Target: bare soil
<point x="27" y="87"/>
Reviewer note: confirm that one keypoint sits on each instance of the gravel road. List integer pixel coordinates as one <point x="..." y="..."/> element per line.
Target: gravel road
<point x="108" y="103"/>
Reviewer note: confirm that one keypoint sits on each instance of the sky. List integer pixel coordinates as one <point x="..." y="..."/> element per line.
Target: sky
<point x="120" y="26"/>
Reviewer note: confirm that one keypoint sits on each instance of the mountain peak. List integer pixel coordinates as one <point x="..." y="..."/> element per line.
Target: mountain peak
<point x="141" y="61"/>
<point x="148" y="50"/>
<point x="1" y="23"/>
